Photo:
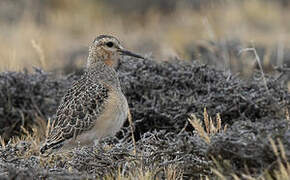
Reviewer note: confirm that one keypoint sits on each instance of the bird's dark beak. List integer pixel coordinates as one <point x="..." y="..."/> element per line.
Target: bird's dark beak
<point x="128" y="53"/>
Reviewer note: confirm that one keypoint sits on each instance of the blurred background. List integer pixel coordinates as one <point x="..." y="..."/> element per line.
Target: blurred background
<point x="55" y="35"/>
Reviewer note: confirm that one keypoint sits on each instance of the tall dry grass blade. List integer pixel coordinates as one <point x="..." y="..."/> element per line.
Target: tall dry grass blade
<point x="219" y="121"/>
<point x="216" y="163"/>
<point x="26" y="132"/>
<point x="211" y="126"/>
<point x="225" y="128"/>
<point x="206" y="121"/>
<point x="198" y="127"/>
<point x="48" y="127"/>
<point x="266" y="175"/>
<point x="248" y="177"/>
<point x="282" y="150"/>
<point x="172" y="173"/>
<point x="281" y="173"/>
<point x="259" y="63"/>
<point x="274" y="147"/>
<point x="3" y="144"/>
<point x="39" y="52"/>
<point x="209" y="28"/>
<point x="284" y="168"/>
<point x="132" y="131"/>
<point x="219" y="174"/>
<point x="235" y="177"/>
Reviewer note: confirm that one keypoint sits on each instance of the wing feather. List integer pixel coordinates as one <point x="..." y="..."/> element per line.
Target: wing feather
<point x="81" y="105"/>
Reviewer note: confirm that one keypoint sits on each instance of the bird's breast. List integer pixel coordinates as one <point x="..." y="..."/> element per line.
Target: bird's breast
<point x="109" y="121"/>
<point x="114" y="114"/>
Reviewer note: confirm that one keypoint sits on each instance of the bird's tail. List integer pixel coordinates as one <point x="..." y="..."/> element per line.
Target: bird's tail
<point x="53" y="146"/>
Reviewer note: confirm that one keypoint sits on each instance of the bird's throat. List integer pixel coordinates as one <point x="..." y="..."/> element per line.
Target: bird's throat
<point x="101" y="71"/>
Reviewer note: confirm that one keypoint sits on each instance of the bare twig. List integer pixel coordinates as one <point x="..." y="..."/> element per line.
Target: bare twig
<point x="259" y="63"/>
<point x="132" y="131"/>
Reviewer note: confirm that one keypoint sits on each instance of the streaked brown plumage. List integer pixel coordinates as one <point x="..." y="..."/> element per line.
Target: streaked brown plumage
<point x="94" y="107"/>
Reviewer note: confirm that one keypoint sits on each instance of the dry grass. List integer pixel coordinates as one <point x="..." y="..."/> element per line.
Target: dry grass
<point x="211" y="127"/>
<point x="171" y="173"/>
<point x="40" y="53"/>
<point x="41" y="130"/>
<point x="281" y="166"/>
<point x="34" y="138"/>
<point x="257" y="58"/>
<point x="205" y="128"/>
<point x="28" y="43"/>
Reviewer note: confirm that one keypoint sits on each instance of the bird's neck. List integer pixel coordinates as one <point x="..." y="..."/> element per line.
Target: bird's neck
<point x="101" y="72"/>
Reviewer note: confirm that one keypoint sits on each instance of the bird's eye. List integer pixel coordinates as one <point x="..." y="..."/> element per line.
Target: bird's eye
<point x="110" y="44"/>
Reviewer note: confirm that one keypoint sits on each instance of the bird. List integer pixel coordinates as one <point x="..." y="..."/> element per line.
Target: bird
<point x="94" y="106"/>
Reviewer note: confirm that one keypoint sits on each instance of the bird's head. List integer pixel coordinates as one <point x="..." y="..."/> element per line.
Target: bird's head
<point x="107" y="49"/>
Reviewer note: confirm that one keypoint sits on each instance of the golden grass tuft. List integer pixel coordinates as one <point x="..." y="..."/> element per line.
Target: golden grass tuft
<point x="170" y="173"/>
<point x="282" y="164"/>
<point x="211" y="127"/>
<point x="34" y="138"/>
<point x="32" y="142"/>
